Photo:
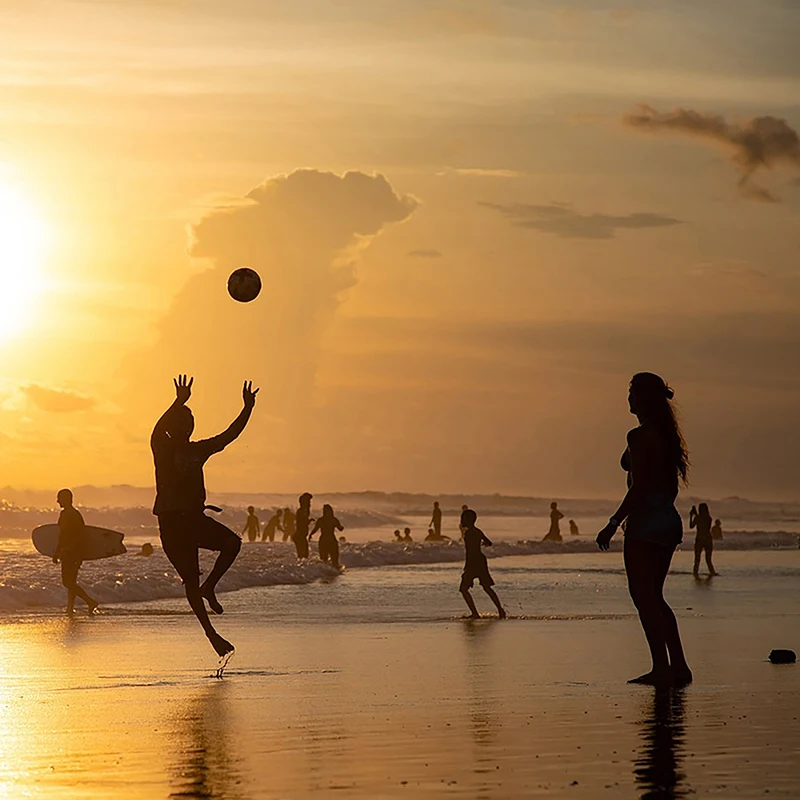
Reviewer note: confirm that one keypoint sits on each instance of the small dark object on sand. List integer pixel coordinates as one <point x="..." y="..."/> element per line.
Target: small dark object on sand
<point x="783" y="657"/>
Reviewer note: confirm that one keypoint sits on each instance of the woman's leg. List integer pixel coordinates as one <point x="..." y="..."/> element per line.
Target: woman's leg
<point x="643" y="570"/>
<point x="496" y="600"/>
<point x="681" y="673"/>
<point x="709" y="551"/>
<point x="697" y="553"/>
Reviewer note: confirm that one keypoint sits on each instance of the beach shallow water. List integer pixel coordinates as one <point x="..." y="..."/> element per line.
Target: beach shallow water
<point x="372" y="685"/>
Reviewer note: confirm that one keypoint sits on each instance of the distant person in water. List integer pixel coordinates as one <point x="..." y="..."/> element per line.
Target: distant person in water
<point x="398" y="537"/>
<point x="327" y="525"/>
<point x="273" y="524"/>
<point x="253" y="525"/>
<point x="147" y="550"/>
<point x="288" y="524"/>
<point x="302" y="522"/>
<point x="700" y="518"/>
<point x="407" y="535"/>
<point x="432" y="537"/>
<point x="656" y="460"/>
<point x="476" y="565"/>
<point x="573" y="528"/>
<point x="436" y="519"/>
<point x="69" y="551"/>
<point x="716" y="529"/>
<point x="181" y="497"/>
<point x="554" y="534"/>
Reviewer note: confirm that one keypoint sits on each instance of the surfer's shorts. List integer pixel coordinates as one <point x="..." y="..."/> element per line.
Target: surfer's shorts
<point x="479" y="572"/>
<point x="69" y="572"/>
<point x="184" y="534"/>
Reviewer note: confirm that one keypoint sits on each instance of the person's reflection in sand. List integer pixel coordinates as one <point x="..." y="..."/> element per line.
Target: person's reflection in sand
<point x="483" y="718"/>
<point x="204" y="762"/>
<point x="657" y="769"/>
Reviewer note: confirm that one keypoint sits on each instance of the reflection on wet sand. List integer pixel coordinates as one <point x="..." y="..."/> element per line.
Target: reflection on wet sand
<point x="658" y="768"/>
<point x="204" y="762"/>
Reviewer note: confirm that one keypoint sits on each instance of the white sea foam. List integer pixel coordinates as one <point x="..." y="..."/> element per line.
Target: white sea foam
<point x="29" y="580"/>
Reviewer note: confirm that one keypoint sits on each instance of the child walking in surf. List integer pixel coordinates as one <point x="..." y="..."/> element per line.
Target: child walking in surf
<point x="476" y="565"/>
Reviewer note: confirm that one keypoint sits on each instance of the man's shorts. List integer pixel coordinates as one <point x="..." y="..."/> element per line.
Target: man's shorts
<point x="184" y="533"/>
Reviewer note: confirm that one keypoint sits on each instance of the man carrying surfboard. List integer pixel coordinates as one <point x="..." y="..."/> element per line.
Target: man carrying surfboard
<point x="69" y="551"/>
<point x="181" y="497"/>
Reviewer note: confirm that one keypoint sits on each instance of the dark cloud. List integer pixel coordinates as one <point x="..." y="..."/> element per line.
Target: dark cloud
<point x="60" y="401"/>
<point x="562" y="220"/>
<point x="757" y="143"/>
<point x="424" y="254"/>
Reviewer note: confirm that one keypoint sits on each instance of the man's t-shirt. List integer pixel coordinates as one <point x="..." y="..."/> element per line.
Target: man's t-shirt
<point x="179" y="472"/>
<point x="71" y="531"/>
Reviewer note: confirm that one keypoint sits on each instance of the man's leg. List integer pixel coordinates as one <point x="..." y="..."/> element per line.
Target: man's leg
<point x="213" y="535"/>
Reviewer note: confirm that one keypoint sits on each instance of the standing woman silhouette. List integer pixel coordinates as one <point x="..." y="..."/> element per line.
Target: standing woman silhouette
<point x="656" y="460"/>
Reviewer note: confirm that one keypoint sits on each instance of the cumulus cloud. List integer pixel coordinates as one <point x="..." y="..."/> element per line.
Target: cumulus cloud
<point x="303" y="233"/>
<point x="757" y="143"/>
<point x="60" y="401"/>
<point x="562" y="220"/>
<point x="424" y="253"/>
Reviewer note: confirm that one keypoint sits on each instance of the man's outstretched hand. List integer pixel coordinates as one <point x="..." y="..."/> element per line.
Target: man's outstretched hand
<point x="248" y="394"/>
<point x="183" y="388"/>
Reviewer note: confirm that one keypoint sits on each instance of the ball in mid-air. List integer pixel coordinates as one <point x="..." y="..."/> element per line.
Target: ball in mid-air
<point x="244" y="284"/>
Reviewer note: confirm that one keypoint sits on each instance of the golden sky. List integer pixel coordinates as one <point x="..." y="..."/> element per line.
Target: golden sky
<point x="475" y="219"/>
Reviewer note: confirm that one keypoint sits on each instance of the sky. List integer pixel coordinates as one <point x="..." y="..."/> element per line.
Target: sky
<point x="474" y="221"/>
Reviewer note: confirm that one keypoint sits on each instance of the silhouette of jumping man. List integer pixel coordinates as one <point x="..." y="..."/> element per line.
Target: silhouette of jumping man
<point x="273" y="524"/>
<point x="700" y="518"/>
<point x="716" y="529"/>
<point x="302" y="521"/>
<point x="181" y="497"/>
<point x="69" y="551"/>
<point x="253" y="526"/>
<point x="436" y="519"/>
<point x="288" y="524"/>
<point x="656" y="459"/>
<point x="327" y="525"/>
<point x="554" y="534"/>
<point x="476" y="565"/>
<point x="573" y="528"/>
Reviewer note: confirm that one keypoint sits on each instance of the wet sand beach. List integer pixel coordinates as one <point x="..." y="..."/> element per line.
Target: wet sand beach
<point x="373" y="686"/>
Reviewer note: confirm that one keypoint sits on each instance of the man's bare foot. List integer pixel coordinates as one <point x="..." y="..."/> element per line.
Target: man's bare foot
<point x="501" y="613"/>
<point x="70" y="612"/>
<point x="211" y="599"/>
<point x="220" y="645"/>
<point x="681" y="677"/>
<point x="654" y="678"/>
<point x="476" y="615"/>
<point x="93" y="607"/>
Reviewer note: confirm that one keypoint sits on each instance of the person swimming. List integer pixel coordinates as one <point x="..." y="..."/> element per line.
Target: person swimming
<point x="273" y="524"/>
<point x="407" y="535"/>
<point x="700" y="518"/>
<point x="656" y="460"/>
<point x="327" y="525"/>
<point x="573" y="528"/>
<point x="716" y="529"/>
<point x="398" y="537"/>
<point x="475" y="565"/>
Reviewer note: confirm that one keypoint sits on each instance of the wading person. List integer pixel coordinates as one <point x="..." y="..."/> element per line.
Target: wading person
<point x="656" y="460"/>
<point x="475" y="565"/>
<point x="327" y="525"/>
<point x="181" y="497"/>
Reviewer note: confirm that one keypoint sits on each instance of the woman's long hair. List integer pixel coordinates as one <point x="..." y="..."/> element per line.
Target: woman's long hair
<point x="654" y="403"/>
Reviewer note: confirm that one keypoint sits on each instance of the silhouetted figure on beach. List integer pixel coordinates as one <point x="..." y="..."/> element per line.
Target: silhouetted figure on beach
<point x="554" y="534"/>
<point x="253" y="525"/>
<point x="700" y="518"/>
<point x="302" y="522"/>
<point x="69" y="551"/>
<point x="573" y="528"/>
<point x="288" y="524"/>
<point x="327" y="525"/>
<point x="398" y="537"/>
<point x="407" y="535"/>
<point x="181" y="497"/>
<point x="461" y="527"/>
<point x="436" y="519"/>
<point x="476" y="565"/>
<point x="656" y="459"/>
<point x="272" y="524"/>
<point x="716" y="529"/>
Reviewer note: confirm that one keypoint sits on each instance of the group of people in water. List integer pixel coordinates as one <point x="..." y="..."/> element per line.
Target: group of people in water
<point x="655" y="460"/>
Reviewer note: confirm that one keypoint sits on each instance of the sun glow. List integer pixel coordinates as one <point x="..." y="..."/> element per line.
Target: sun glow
<point x="24" y="240"/>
